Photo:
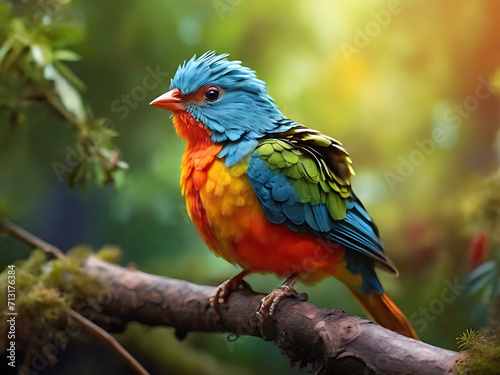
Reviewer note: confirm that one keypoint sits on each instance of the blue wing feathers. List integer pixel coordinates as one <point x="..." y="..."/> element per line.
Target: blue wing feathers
<point x="295" y="213"/>
<point x="281" y="204"/>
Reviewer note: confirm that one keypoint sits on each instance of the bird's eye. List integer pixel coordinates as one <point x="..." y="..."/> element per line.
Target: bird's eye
<point x="212" y="94"/>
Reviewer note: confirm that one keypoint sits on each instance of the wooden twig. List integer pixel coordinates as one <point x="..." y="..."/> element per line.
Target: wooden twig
<point x="16" y="231"/>
<point x="86" y="325"/>
<point x="101" y="335"/>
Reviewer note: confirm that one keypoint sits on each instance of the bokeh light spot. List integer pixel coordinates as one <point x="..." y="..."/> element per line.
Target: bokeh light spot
<point x="189" y="31"/>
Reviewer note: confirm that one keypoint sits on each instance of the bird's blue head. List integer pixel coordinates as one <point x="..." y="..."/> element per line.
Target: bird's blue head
<point x="228" y="99"/>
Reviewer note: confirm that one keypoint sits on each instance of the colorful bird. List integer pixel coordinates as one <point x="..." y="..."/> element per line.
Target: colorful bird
<point x="269" y="194"/>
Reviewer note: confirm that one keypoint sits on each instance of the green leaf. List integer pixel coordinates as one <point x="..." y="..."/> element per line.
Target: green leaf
<point x="79" y="175"/>
<point x="69" y="95"/>
<point x="483" y="275"/>
<point x="63" y="34"/>
<point x="66" y="55"/>
<point x="42" y="54"/>
<point x="5" y="48"/>
<point x="70" y="76"/>
<point x="12" y="53"/>
<point x="469" y="339"/>
<point x="119" y="177"/>
<point x="100" y="176"/>
<point x="17" y="27"/>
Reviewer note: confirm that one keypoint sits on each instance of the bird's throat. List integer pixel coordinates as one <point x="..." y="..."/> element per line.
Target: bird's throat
<point x="191" y="130"/>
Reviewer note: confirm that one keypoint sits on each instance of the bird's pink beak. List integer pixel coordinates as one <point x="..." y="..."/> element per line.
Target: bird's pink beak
<point x="171" y="101"/>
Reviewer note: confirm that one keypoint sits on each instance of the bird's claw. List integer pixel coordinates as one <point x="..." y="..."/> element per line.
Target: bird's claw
<point x="223" y="290"/>
<point x="270" y="302"/>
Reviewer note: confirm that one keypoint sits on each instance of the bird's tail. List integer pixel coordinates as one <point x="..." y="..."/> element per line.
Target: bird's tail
<point x="385" y="312"/>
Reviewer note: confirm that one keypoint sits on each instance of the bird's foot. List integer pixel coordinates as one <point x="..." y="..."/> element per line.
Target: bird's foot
<point x="223" y="290"/>
<point x="270" y="302"/>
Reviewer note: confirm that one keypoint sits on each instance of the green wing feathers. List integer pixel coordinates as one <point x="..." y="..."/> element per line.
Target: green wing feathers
<point x="317" y="166"/>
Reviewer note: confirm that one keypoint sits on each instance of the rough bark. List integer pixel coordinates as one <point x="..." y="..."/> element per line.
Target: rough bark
<point x="333" y="341"/>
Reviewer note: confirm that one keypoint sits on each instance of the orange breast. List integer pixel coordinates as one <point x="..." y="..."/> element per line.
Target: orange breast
<point x="228" y="215"/>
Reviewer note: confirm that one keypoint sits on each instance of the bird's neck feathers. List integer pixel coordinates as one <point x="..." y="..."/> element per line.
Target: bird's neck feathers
<point x="192" y="131"/>
<point x="234" y="145"/>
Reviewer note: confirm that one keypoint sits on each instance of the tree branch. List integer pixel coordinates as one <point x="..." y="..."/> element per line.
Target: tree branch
<point x="333" y="341"/>
<point x="86" y="325"/>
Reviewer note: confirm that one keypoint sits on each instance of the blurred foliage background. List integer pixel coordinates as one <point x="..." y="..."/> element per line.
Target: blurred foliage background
<point x="410" y="88"/>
